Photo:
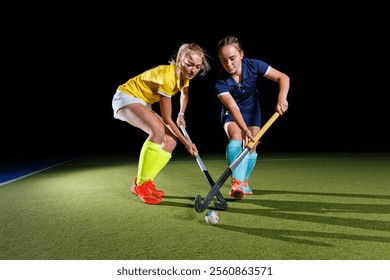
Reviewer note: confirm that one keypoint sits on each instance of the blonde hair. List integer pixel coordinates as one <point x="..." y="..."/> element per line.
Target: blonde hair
<point x="192" y="48"/>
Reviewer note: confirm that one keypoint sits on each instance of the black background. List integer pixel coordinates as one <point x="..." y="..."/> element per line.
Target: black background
<point x="61" y="69"/>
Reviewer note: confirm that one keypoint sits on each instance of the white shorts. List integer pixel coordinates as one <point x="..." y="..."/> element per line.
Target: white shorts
<point x="122" y="99"/>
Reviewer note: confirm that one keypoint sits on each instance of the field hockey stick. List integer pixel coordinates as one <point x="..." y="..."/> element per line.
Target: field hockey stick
<point x="222" y="204"/>
<point x="201" y="205"/>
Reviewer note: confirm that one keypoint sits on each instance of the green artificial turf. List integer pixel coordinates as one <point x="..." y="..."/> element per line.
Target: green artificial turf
<point x="304" y="207"/>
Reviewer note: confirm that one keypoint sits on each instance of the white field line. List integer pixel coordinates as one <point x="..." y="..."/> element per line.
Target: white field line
<point x="35" y="172"/>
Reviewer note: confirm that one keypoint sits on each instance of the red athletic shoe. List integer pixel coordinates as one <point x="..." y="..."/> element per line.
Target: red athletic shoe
<point x="143" y="192"/>
<point x="151" y="187"/>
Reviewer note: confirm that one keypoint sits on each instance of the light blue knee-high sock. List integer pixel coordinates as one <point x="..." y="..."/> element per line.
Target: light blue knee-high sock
<point x="233" y="149"/>
<point x="250" y="162"/>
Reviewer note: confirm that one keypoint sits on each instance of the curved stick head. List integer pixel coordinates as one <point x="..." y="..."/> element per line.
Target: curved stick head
<point x="221" y="205"/>
<point x="199" y="207"/>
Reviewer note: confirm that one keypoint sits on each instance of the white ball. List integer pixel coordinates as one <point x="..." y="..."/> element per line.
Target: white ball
<point x="212" y="217"/>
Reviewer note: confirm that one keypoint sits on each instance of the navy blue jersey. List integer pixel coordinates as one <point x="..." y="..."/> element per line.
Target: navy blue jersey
<point x="245" y="93"/>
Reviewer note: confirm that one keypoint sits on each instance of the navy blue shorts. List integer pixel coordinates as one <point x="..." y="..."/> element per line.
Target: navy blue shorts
<point x="252" y="119"/>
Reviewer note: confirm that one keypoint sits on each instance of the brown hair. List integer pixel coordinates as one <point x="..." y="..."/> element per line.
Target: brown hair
<point x="230" y="40"/>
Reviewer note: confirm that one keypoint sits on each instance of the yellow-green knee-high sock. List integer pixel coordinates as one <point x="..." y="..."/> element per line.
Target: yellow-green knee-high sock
<point x="161" y="162"/>
<point x="148" y="157"/>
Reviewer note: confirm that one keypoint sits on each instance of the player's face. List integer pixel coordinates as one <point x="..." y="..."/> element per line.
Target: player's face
<point x="230" y="58"/>
<point x="191" y="65"/>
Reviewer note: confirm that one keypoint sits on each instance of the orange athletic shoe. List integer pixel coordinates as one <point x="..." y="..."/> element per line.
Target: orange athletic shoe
<point x="143" y="192"/>
<point x="236" y="190"/>
<point x="151" y="187"/>
<point x="245" y="188"/>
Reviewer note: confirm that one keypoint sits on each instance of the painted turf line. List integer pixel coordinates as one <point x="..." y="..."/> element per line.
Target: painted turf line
<point x="35" y="172"/>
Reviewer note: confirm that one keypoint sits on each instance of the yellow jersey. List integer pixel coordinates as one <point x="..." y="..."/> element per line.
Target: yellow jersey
<point x="160" y="80"/>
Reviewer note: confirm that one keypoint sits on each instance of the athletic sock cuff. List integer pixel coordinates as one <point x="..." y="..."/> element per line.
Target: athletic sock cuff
<point x="235" y="143"/>
<point x="151" y="145"/>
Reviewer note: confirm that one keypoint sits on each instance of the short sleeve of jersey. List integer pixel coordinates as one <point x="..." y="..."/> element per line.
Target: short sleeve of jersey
<point x="164" y="77"/>
<point x="151" y="84"/>
<point x="171" y="83"/>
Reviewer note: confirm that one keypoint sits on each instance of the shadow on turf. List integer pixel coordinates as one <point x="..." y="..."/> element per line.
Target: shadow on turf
<point x="166" y="201"/>
<point x="283" y="209"/>
<point x="190" y="198"/>
<point x="300" y="237"/>
<point x="280" y="209"/>
<point x="265" y="192"/>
